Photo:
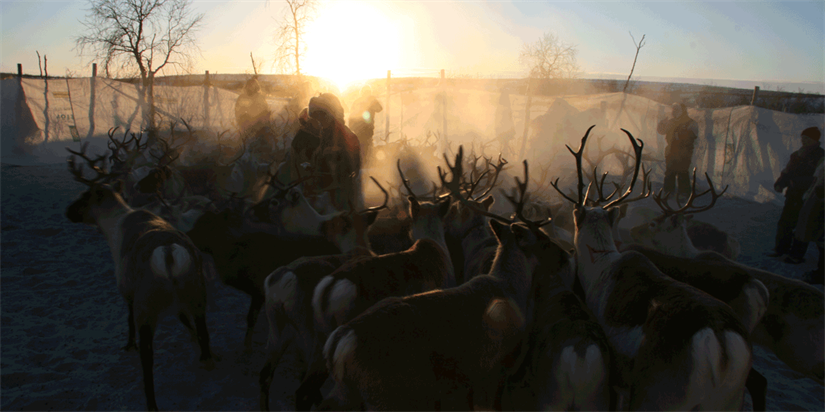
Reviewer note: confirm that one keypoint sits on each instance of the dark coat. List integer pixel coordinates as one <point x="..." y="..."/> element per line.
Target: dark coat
<point x="362" y="118"/>
<point x="680" y="135"/>
<point x="798" y="175"/>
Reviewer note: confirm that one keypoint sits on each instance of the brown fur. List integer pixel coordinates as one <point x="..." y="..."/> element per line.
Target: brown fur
<point x="414" y="352"/>
<point x="135" y="236"/>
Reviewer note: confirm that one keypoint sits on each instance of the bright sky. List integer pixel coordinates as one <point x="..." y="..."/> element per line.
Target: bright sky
<point x="765" y="42"/>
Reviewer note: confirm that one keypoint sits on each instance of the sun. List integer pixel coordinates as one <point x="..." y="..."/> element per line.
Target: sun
<point x="350" y="41"/>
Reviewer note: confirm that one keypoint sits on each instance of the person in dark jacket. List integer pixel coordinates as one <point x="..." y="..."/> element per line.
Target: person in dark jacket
<point x="331" y="148"/>
<point x="251" y="110"/>
<point x="795" y="180"/>
<point x="680" y="134"/>
<point x="362" y="119"/>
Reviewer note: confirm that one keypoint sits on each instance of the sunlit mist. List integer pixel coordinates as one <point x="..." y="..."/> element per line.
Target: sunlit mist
<point x="351" y="41"/>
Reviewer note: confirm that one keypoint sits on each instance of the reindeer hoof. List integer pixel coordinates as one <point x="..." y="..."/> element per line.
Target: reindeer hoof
<point x="131" y="346"/>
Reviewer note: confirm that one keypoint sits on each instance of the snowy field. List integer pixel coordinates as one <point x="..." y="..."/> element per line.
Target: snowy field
<point x="63" y="321"/>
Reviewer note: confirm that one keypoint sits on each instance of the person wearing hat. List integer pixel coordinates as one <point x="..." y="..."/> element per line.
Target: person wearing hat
<point x="362" y="119"/>
<point x="251" y="110"/>
<point x="795" y="180"/>
<point x="337" y="156"/>
<point x="680" y="134"/>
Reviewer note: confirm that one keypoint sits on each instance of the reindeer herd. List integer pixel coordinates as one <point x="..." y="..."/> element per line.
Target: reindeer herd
<point x="433" y="300"/>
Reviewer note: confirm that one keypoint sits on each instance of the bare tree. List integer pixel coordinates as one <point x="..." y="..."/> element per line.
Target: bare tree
<point x="290" y="34"/>
<point x="140" y="37"/>
<point x="638" y="47"/>
<point x="549" y="58"/>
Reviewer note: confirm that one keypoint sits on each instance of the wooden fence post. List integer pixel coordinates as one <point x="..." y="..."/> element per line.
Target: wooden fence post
<point x="92" y="82"/>
<point x="755" y="95"/>
<point x="444" y="112"/>
<point x="206" y="100"/>
<point x="19" y="70"/>
<point x="526" y="120"/>
<point x="387" y="109"/>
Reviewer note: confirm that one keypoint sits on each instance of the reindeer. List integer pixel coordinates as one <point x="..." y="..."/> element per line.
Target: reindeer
<point x="792" y="324"/>
<point x="676" y="347"/>
<point x="444" y="347"/>
<point x="567" y="363"/>
<point x="244" y="259"/>
<point x="289" y="292"/>
<point x="157" y="267"/>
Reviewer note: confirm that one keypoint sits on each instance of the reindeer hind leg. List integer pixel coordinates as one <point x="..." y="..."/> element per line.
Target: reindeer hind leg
<point x="130" y="343"/>
<point x="251" y="319"/>
<point x="184" y="318"/>
<point x="207" y="357"/>
<point x="147" y="364"/>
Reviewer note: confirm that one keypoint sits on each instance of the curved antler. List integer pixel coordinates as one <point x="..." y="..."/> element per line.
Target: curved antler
<point x="637" y="148"/>
<point x="688" y="207"/>
<point x="578" y="156"/>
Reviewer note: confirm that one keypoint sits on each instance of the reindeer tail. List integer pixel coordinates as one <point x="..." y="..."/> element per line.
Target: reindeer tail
<point x="171" y="260"/>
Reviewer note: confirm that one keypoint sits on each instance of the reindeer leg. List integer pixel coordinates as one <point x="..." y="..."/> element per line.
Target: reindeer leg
<point x="275" y="350"/>
<point x="130" y="344"/>
<point x="757" y="386"/>
<point x="147" y="363"/>
<point x="185" y="320"/>
<point x="207" y="357"/>
<point x="251" y="318"/>
<point x="309" y="393"/>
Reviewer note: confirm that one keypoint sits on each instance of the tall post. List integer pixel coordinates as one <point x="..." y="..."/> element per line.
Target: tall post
<point x="19" y="70"/>
<point x="526" y="120"/>
<point x="387" y="108"/>
<point x="92" y="82"/>
<point x="206" y="100"/>
<point x="755" y="95"/>
<point x="444" y="112"/>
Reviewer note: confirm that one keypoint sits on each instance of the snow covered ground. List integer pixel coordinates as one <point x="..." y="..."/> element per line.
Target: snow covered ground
<point x="63" y="321"/>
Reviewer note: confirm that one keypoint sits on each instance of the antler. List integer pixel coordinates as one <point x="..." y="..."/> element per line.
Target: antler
<point x="386" y="199"/>
<point x="523" y="196"/>
<point x="578" y="156"/>
<point x="404" y="180"/>
<point x="93" y="164"/>
<point x="637" y="148"/>
<point x="498" y="168"/>
<point x="454" y="185"/>
<point x="688" y="207"/>
<point x="167" y="153"/>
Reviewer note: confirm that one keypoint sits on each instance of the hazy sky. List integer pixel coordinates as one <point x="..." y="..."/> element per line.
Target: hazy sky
<point x="764" y="42"/>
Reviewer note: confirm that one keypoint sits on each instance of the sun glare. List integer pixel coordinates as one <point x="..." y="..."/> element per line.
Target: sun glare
<point x="350" y="41"/>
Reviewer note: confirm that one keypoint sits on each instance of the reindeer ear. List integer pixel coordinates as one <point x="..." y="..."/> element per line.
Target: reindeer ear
<point x="524" y="236"/>
<point x="578" y="216"/>
<point x="487" y="202"/>
<point x="501" y="230"/>
<point x="414" y="207"/>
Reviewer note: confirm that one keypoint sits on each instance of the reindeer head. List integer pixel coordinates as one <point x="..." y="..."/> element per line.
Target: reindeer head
<point x="595" y="224"/>
<point x="100" y="197"/>
<point x="668" y="232"/>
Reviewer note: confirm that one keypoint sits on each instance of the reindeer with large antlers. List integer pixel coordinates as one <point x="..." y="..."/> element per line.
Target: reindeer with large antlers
<point x="157" y="267"/>
<point x="784" y="315"/>
<point x="676" y="346"/>
<point x="448" y="347"/>
<point x="568" y="357"/>
<point x="746" y="295"/>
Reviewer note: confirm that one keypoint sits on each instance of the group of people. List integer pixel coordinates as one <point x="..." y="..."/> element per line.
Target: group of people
<point x="801" y="180"/>
<point x="325" y="146"/>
